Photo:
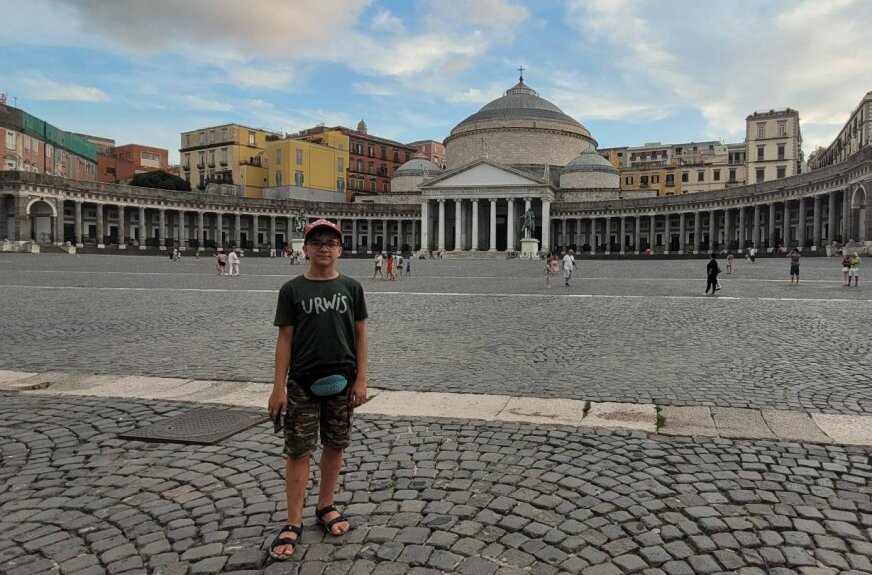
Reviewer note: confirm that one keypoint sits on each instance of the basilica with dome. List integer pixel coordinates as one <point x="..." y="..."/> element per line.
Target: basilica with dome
<point x="519" y="152"/>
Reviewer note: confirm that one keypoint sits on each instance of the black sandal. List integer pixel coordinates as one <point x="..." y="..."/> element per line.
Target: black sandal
<point x="328" y="526"/>
<point x="279" y="541"/>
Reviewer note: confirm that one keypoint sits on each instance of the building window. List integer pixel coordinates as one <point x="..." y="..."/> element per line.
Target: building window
<point x="760" y="172"/>
<point x="371" y="152"/>
<point x="278" y="177"/>
<point x="700" y="175"/>
<point x="781" y="171"/>
<point x="385" y="188"/>
<point x="340" y="185"/>
<point x="655" y="179"/>
<point x="10" y="140"/>
<point x="670" y="179"/>
<point x="760" y="153"/>
<point x="223" y="134"/>
<point x="340" y="165"/>
<point x="223" y="156"/>
<point x="211" y="158"/>
<point x="187" y="161"/>
<point x="299" y="157"/>
<point x="201" y="159"/>
<point x="685" y="177"/>
<point x="643" y="180"/>
<point x="732" y="175"/>
<point x="187" y="140"/>
<point x="628" y="180"/>
<point x="202" y="138"/>
<point x="211" y="136"/>
<point x="761" y="130"/>
<point x="251" y="138"/>
<point x="372" y="186"/>
<point x="278" y="156"/>
<point x="298" y="179"/>
<point x="717" y="175"/>
<point x="782" y="129"/>
<point x="396" y="156"/>
<point x="359" y="165"/>
<point x="780" y="151"/>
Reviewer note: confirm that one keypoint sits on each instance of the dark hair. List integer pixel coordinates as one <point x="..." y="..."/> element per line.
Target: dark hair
<point x="714" y="256"/>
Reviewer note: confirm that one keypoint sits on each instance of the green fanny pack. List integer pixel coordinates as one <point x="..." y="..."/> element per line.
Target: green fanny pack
<point x="325" y="383"/>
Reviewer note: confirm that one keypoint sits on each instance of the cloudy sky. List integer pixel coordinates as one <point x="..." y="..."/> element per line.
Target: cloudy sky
<point x="631" y="71"/>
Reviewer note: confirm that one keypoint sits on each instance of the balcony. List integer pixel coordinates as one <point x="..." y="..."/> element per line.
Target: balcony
<point x="201" y="165"/>
<point x="223" y="162"/>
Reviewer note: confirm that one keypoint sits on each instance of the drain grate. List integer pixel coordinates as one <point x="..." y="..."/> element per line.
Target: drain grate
<point x="201" y="426"/>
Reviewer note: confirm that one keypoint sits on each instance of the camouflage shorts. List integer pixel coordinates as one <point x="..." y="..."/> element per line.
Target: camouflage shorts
<point x="306" y="415"/>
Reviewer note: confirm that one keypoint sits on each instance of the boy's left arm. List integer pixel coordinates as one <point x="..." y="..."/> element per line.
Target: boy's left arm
<point x="358" y="390"/>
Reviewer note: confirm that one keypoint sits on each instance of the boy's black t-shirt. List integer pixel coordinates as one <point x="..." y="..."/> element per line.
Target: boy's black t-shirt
<point x="323" y="313"/>
<point x="712" y="268"/>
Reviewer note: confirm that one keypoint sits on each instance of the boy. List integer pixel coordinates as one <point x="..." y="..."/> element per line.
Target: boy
<point x="712" y="270"/>
<point x="568" y="266"/>
<point x="321" y="316"/>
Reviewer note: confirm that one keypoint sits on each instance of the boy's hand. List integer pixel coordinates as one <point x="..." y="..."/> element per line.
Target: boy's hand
<point x="358" y="393"/>
<point x="278" y="402"/>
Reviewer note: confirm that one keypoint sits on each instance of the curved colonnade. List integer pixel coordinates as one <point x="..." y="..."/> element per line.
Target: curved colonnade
<point x="809" y="211"/>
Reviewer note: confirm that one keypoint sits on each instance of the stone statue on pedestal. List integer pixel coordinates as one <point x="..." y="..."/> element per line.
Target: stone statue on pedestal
<point x="529" y="223"/>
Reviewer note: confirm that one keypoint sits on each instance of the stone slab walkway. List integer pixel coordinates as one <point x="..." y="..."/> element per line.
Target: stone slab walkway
<point x="731" y="423"/>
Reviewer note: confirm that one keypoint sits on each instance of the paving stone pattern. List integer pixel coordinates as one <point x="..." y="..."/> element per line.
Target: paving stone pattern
<point x="425" y="496"/>
<point x="446" y="328"/>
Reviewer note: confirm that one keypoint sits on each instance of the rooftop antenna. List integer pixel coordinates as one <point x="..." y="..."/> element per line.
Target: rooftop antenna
<point x="521" y="70"/>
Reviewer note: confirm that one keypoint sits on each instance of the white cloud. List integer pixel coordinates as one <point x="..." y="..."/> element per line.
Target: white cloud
<point x="726" y="60"/>
<point x="39" y="88"/>
<point x="384" y="20"/>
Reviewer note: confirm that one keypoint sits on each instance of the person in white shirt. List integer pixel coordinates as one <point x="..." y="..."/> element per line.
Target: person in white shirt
<point x="233" y="262"/>
<point x="568" y="266"/>
<point x="379" y="260"/>
<point x="399" y="266"/>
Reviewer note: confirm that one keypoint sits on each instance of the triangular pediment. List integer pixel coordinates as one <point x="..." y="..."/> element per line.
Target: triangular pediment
<point x="483" y="173"/>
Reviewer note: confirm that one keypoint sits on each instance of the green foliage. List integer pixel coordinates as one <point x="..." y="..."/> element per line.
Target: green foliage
<point x="161" y="180"/>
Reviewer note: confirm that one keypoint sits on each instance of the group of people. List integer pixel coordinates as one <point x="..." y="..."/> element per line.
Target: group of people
<point x="227" y="264"/>
<point x="851" y="268"/>
<point x="394" y="264"/>
<point x="553" y="265"/>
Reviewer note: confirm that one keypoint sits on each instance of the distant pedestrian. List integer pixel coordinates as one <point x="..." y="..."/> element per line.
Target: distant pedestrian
<point x="399" y="265"/>
<point x="233" y="262"/>
<point x="855" y="269"/>
<point x="794" y="256"/>
<point x="712" y="271"/>
<point x="221" y="263"/>
<point x="408" y="267"/>
<point x="550" y="268"/>
<point x="379" y="260"/>
<point x="747" y="256"/>
<point x="846" y="269"/>
<point x="752" y="253"/>
<point x="177" y="255"/>
<point x="568" y="267"/>
<point x="730" y="259"/>
<point x="197" y="255"/>
<point x="391" y="263"/>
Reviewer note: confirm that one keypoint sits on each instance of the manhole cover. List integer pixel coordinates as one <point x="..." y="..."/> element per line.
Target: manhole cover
<point x="202" y="426"/>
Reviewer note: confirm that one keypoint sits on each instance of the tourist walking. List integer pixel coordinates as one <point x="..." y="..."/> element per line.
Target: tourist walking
<point x="752" y="254"/>
<point x="730" y="259"/>
<point x="379" y="260"/>
<point x="233" y="262"/>
<point x="391" y="262"/>
<point x="221" y="263"/>
<point x="568" y="267"/>
<point x="399" y="265"/>
<point x="846" y="268"/>
<point x="177" y="255"/>
<point x="550" y="268"/>
<point x="712" y="271"/>
<point x="408" y="267"/>
<point x="794" y="256"/>
<point x="320" y="377"/>
<point x="855" y="269"/>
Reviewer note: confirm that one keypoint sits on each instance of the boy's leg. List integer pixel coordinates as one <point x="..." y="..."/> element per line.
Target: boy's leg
<point x="331" y="464"/>
<point x="335" y="426"/>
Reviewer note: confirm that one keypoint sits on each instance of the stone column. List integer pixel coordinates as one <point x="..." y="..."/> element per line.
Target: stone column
<point x="416" y="238"/>
<point x="785" y="224"/>
<point x="637" y="235"/>
<point x="831" y="217"/>
<point x="57" y="223"/>
<point x="386" y="239"/>
<point x="142" y="229"/>
<point x="592" y="240"/>
<point x="546" y="226"/>
<point x="756" y="226"/>
<point x="441" y="245"/>
<point x="272" y="233"/>
<point x="219" y="230"/>
<point x="682" y="232"/>
<point x="608" y="235"/>
<point x="510" y="225"/>
<point x="713" y="230"/>
<point x="847" y="228"/>
<point x="354" y="236"/>
<point x="425" y="216"/>
<point x="458" y="216"/>
<point x="255" y="229"/>
<point x="800" y="225"/>
<point x="771" y="227"/>
<point x="77" y="225"/>
<point x="667" y="234"/>
<point x="237" y="229"/>
<point x="101" y="236"/>
<point x="697" y="231"/>
<point x="622" y="240"/>
<point x="742" y="227"/>
<point x="728" y="230"/>
<point x="474" y="225"/>
<point x="493" y="225"/>
<point x="816" y="224"/>
<point x="121" y="235"/>
<point x="183" y="231"/>
<point x="652" y="221"/>
<point x="200" y="230"/>
<point x="162" y="228"/>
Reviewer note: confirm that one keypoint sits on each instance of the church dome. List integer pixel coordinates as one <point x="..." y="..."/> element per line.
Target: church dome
<point x="418" y="166"/>
<point x="517" y="129"/>
<point x="589" y="170"/>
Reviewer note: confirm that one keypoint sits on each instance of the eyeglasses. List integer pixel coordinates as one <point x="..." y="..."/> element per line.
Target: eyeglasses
<point x="318" y="244"/>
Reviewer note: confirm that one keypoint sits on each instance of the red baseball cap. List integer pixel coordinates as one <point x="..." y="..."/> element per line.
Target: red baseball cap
<point x="321" y="224"/>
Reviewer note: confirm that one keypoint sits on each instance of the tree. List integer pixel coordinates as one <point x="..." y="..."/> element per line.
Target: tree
<point x="161" y="180"/>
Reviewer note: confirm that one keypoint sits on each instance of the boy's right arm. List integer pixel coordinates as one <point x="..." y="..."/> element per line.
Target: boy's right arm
<point x="278" y="399"/>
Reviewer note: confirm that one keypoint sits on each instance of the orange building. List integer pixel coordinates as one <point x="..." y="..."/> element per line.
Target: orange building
<point x="121" y="163"/>
<point x="432" y="150"/>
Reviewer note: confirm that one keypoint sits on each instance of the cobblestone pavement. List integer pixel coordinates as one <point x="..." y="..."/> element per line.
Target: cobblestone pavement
<point x="426" y="496"/>
<point x="625" y="331"/>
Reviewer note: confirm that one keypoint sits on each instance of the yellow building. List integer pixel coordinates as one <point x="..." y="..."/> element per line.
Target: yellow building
<point x="228" y="154"/>
<point x="312" y="161"/>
